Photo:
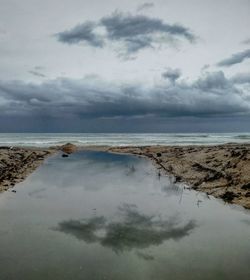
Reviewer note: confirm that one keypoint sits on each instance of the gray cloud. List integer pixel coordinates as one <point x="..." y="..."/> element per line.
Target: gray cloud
<point x="2" y="31"/>
<point x="205" y="67"/>
<point x="241" y="78"/>
<point x="172" y="74"/>
<point x="235" y="58"/>
<point x="145" y="6"/>
<point x="134" y="32"/>
<point x="37" y="73"/>
<point x="81" y="33"/>
<point x="211" y="95"/>
<point x="246" y="42"/>
<point x="121" y="26"/>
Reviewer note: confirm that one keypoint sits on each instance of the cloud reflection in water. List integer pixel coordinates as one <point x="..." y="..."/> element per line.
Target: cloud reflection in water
<point x="134" y="231"/>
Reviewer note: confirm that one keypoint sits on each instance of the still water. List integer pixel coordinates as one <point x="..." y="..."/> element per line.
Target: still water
<point x="97" y="215"/>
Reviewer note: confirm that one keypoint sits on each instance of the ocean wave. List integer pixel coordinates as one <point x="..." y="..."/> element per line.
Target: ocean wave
<point x="246" y="136"/>
<point x="46" y="140"/>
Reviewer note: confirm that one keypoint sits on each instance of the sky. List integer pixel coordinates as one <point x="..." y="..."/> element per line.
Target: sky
<point x="124" y="66"/>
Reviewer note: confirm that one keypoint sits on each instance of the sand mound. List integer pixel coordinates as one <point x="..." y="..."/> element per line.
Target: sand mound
<point x="69" y="148"/>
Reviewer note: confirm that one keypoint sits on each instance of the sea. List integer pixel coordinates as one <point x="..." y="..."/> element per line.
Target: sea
<point x="120" y="139"/>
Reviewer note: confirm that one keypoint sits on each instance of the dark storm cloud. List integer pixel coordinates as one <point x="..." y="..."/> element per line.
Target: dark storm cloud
<point x="145" y="6"/>
<point x="81" y="33"/>
<point x="235" y="58"/>
<point x="134" y="32"/>
<point x="211" y="95"/>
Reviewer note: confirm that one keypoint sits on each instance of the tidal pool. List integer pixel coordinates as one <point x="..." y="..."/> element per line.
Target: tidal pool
<point x="97" y="215"/>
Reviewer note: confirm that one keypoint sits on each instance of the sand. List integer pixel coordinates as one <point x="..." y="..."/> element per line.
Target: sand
<point x="222" y="171"/>
<point x="17" y="163"/>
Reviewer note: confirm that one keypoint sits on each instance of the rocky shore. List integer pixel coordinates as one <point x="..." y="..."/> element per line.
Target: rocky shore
<point x="222" y="171"/>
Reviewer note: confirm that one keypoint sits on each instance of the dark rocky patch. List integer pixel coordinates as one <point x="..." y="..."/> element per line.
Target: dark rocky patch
<point x="246" y="186"/>
<point x="64" y="155"/>
<point x="229" y="196"/>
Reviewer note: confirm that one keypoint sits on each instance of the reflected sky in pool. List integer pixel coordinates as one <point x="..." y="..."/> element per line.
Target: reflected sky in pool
<point x="97" y="215"/>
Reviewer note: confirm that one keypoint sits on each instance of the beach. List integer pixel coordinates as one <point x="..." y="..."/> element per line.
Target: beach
<point x="222" y="171"/>
<point x="17" y="163"/>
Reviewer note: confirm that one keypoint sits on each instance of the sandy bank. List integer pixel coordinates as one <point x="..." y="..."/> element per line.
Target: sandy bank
<point x="222" y="171"/>
<point x="17" y="163"/>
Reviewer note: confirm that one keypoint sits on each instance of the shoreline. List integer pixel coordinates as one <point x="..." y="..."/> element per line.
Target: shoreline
<point x="219" y="170"/>
<point x="16" y="163"/>
<point x="222" y="171"/>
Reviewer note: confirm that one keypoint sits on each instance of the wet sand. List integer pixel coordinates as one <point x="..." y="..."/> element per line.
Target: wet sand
<point x="222" y="171"/>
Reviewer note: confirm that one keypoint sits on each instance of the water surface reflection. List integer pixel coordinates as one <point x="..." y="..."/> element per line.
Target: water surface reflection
<point x="135" y="230"/>
<point x="97" y="215"/>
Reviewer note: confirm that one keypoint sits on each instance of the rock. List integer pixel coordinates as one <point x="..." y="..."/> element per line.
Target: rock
<point x="197" y="183"/>
<point x="178" y="178"/>
<point x="228" y="196"/>
<point x="246" y="186"/>
<point x="198" y="167"/>
<point x="228" y="177"/>
<point x="65" y="155"/>
<point x="69" y="148"/>
<point x="150" y="155"/>
<point x="169" y="168"/>
<point x="213" y="176"/>
<point x="235" y="153"/>
<point x="243" y="154"/>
